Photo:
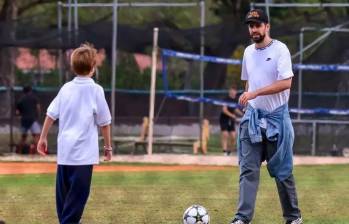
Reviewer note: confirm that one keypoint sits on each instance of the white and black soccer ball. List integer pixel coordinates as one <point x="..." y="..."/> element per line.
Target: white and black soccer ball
<point x="196" y="214"/>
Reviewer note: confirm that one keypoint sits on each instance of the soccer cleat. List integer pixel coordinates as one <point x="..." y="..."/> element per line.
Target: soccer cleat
<point x="296" y="221"/>
<point x="238" y="221"/>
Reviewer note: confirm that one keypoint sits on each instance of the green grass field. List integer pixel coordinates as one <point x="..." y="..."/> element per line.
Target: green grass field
<point x="161" y="197"/>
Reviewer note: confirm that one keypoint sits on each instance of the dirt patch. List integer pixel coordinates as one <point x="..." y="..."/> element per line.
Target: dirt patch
<point x="38" y="168"/>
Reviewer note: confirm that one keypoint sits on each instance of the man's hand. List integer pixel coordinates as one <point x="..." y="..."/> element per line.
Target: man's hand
<point x="42" y="147"/>
<point x="246" y="96"/>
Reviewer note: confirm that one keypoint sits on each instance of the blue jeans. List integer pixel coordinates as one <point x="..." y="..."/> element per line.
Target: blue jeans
<point x="250" y="160"/>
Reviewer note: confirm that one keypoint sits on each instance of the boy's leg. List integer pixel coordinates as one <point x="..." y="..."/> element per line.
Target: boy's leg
<point x="204" y="147"/>
<point x="62" y="188"/>
<point x="224" y="141"/>
<point x="233" y="139"/>
<point x="196" y="147"/>
<point x="75" y="201"/>
<point x="250" y="159"/>
<point x="286" y="189"/>
<point x="35" y="130"/>
<point x="24" y="136"/>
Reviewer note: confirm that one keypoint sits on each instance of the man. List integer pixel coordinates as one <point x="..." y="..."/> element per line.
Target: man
<point x="28" y="108"/>
<point x="266" y="131"/>
<point x="227" y="121"/>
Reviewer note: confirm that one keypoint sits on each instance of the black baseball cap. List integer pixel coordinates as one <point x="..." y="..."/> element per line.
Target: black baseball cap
<point x="257" y="16"/>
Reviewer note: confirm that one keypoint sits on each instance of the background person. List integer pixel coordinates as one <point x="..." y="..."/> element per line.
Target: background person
<point x="28" y="108"/>
<point x="227" y="120"/>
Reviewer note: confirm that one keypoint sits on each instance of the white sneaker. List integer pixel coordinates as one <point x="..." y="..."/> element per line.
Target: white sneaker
<point x="297" y="221"/>
<point x="238" y="221"/>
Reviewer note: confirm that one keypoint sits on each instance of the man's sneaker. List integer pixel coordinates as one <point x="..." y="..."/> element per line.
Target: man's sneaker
<point x="237" y="221"/>
<point x="297" y="221"/>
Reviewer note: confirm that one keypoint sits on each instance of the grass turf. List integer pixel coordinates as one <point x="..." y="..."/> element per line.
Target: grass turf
<point x="161" y="197"/>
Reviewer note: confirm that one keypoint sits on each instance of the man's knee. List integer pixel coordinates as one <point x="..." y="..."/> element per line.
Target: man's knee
<point x="249" y="173"/>
<point x="249" y="166"/>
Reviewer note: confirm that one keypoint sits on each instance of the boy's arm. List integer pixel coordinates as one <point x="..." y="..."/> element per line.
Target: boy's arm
<point x="227" y="112"/>
<point x="42" y="144"/>
<point x="238" y="112"/>
<point x="108" y="151"/>
<point x="38" y="109"/>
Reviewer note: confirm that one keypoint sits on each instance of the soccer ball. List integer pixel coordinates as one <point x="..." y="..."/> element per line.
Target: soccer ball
<point x="196" y="214"/>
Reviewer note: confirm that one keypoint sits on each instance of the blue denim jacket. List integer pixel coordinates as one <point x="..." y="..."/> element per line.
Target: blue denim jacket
<point x="280" y="129"/>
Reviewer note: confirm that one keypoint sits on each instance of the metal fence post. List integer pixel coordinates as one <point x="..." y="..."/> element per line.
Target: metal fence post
<point x="313" y="144"/>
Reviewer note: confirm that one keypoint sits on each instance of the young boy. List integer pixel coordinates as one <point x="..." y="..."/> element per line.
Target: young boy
<point x="28" y="108"/>
<point x="80" y="107"/>
<point x="227" y="121"/>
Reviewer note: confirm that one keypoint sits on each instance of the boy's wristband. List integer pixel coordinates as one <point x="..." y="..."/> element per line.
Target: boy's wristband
<point x="108" y="148"/>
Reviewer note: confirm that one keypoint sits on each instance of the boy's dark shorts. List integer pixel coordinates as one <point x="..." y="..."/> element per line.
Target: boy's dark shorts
<point x="227" y="124"/>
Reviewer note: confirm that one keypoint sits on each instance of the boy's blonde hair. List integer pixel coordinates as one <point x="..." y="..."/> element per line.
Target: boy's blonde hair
<point x="83" y="59"/>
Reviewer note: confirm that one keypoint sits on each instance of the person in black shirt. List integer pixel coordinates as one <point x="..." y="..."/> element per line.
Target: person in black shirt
<point x="28" y="108"/>
<point x="227" y="121"/>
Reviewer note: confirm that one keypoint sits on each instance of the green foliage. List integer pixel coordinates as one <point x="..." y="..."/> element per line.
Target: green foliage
<point x="234" y="71"/>
<point x="128" y="75"/>
<point x="230" y="8"/>
<point x="50" y="79"/>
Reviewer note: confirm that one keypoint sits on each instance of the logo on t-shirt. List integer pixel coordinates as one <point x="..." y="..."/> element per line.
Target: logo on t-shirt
<point x="268" y="59"/>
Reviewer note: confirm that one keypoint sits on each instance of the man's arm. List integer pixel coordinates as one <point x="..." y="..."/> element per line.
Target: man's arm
<point x="276" y="87"/>
<point x="246" y="86"/>
<point x="246" y="90"/>
<point x="42" y="144"/>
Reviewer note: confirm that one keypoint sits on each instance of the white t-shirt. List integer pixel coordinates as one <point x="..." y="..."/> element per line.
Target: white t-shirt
<point x="262" y="67"/>
<point x="80" y="106"/>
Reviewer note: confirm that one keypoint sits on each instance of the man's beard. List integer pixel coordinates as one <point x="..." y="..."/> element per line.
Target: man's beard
<point x="257" y="38"/>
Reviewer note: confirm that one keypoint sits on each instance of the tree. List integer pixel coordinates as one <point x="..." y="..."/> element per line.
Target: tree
<point x="9" y="12"/>
<point x="231" y="13"/>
